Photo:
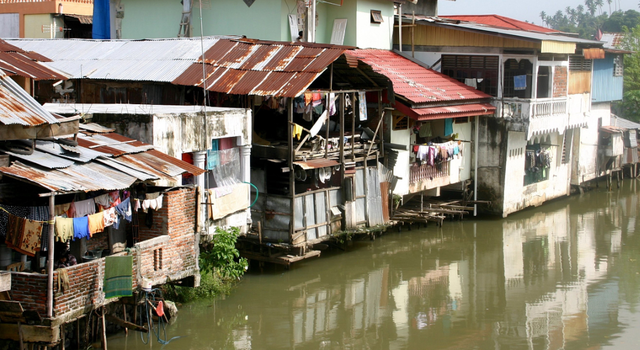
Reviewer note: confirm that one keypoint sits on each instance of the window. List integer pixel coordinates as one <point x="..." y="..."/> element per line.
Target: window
<point x="517" y="78"/>
<point x="376" y="16"/>
<point x="618" y="67"/>
<point x="480" y="72"/>
<point x="400" y="122"/>
<point x="537" y="163"/>
<point x="579" y="63"/>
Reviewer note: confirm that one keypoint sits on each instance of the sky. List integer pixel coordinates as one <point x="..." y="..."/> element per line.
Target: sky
<point x="520" y="9"/>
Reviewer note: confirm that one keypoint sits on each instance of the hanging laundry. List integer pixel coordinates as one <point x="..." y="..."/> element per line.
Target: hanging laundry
<point x="124" y="209"/>
<point x="109" y="217"/>
<point x="332" y="104"/>
<point x="24" y="235"/>
<point x="81" y="228"/>
<point x="297" y="131"/>
<point x="96" y="223"/>
<point x="84" y="208"/>
<point x="422" y="153"/>
<point x="4" y="215"/>
<point x="61" y="209"/>
<point x="520" y="82"/>
<point x="473" y="82"/>
<point x="448" y="126"/>
<point x="153" y="201"/>
<point x="41" y="213"/>
<point x="425" y="130"/>
<point x="362" y="99"/>
<point x="64" y="229"/>
<point x="308" y="96"/>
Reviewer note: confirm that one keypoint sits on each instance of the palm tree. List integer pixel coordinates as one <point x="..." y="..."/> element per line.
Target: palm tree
<point x="599" y="4"/>
<point x="609" y="2"/>
<point x="543" y="16"/>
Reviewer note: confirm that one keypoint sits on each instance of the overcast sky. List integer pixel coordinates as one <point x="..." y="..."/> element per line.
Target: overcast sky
<point x="519" y="9"/>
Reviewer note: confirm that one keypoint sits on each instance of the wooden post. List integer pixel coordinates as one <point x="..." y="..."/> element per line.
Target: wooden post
<point x="78" y="333"/>
<point x="20" y="336"/>
<point x="292" y="178"/>
<point x="124" y="317"/>
<point x="353" y="125"/>
<point x="103" y="337"/>
<point x="62" y="336"/>
<point x="341" y="143"/>
<point x="50" y="262"/>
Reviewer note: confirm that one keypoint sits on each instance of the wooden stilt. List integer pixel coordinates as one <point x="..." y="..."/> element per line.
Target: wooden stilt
<point x="20" y="336"/>
<point x="62" y="337"/>
<point x="124" y="317"/>
<point x="78" y="334"/>
<point x="103" y="338"/>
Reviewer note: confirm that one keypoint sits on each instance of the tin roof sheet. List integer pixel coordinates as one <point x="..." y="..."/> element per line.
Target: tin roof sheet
<point x="161" y="60"/>
<point x="457" y="111"/>
<point x="17" y="107"/>
<point x="254" y="67"/>
<point x="316" y="163"/>
<point x="414" y="82"/>
<point x="142" y="109"/>
<point x="624" y="123"/>
<point x="54" y="167"/>
<point x="15" y="61"/>
<point x="501" y="21"/>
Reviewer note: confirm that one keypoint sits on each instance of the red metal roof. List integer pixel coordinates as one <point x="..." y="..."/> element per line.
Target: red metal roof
<point x="15" y="61"/>
<point x="414" y="82"/>
<point x="254" y="67"/>
<point x="458" y="111"/>
<point x="502" y="22"/>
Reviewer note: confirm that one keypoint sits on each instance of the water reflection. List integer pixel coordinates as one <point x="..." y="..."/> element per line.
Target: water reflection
<point x="557" y="277"/>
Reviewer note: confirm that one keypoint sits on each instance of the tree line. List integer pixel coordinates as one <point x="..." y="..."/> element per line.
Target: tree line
<point x="586" y="20"/>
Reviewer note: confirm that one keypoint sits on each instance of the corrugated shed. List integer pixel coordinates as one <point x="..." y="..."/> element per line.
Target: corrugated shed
<point x="605" y="86"/>
<point x="414" y="82"/>
<point x="15" y="61"/>
<point x="253" y="67"/>
<point x="161" y="60"/>
<point x="17" y="107"/>
<point x="624" y="123"/>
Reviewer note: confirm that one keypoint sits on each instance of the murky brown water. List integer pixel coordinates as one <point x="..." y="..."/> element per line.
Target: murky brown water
<point x="566" y="275"/>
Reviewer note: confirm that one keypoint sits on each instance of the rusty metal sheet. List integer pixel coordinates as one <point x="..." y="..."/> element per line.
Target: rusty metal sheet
<point x="593" y="54"/>
<point x="234" y="58"/>
<point x="191" y="169"/>
<point x="327" y="57"/>
<point x="43" y="159"/>
<point x="26" y="64"/>
<point x="77" y="153"/>
<point x="95" y="127"/>
<point x="17" y="107"/>
<point x="159" y="164"/>
<point x="303" y="59"/>
<point x="262" y="55"/>
<point x="248" y="82"/>
<point x="298" y="84"/>
<point x="316" y="163"/>
<point x="133" y="162"/>
<point x="123" y="167"/>
<point x="283" y="58"/>
<point x="218" y="51"/>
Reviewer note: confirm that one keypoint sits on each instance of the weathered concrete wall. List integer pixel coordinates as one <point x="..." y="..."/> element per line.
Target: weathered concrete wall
<point x="587" y="143"/>
<point x="516" y="195"/>
<point x="492" y="150"/>
<point x="402" y="137"/>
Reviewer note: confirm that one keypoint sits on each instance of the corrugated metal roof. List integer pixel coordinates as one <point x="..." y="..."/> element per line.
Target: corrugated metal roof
<point x="15" y="61"/>
<point x="610" y="129"/>
<point x="161" y="60"/>
<point x="17" y="107"/>
<point x="143" y="109"/>
<point x="253" y="67"/>
<point x="501" y="21"/>
<point x="414" y="82"/>
<point x="57" y="169"/>
<point x="456" y="111"/>
<point x="522" y="34"/>
<point x="593" y="54"/>
<point x="624" y="123"/>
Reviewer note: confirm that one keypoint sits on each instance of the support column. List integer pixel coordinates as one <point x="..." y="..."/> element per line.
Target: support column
<point x="50" y="262"/>
<point x="199" y="160"/>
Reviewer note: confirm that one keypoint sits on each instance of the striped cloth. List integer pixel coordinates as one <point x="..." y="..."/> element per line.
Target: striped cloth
<point x="118" y="271"/>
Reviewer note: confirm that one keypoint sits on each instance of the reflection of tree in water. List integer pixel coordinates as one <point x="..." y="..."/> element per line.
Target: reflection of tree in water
<point x="536" y="255"/>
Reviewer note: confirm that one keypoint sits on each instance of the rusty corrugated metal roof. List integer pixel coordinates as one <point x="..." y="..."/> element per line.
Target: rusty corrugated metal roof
<point x="78" y="169"/>
<point x="456" y="111"/>
<point x="414" y="82"/>
<point x="17" y="107"/>
<point x="16" y="61"/>
<point x="254" y="67"/>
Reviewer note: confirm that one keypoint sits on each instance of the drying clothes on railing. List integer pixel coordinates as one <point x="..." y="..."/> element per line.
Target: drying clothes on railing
<point x="437" y="152"/>
<point x="82" y="208"/>
<point x="41" y="213"/>
<point x="24" y="235"/>
<point x="10" y="209"/>
<point x="118" y="276"/>
<point x="96" y="223"/>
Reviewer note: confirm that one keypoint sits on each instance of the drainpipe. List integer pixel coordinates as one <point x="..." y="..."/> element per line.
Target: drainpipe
<point x="475" y="171"/>
<point x="52" y="204"/>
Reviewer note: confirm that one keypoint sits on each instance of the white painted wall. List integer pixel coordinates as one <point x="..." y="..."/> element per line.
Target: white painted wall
<point x="374" y="35"/>
<point x="402" y="137"/>
<point x="464" y="163"/>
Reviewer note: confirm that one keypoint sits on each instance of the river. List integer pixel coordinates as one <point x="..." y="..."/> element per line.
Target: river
<point x="565" y="275"/>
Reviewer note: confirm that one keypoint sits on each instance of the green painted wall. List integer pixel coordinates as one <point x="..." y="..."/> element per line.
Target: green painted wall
<point x="330" y="12"/>
<point x="374" y="35"/>
<point x="151" y="19"/>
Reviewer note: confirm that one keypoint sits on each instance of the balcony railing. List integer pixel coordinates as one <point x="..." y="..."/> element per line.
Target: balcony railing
<point x="429" y="172"/>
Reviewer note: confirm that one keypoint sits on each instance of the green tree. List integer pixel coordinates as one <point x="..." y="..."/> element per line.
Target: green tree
<point x="631" y="100"/>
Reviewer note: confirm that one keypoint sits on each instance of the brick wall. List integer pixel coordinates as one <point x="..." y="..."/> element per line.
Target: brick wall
<point x="560" y="85"/>
<point x="178" y="260"/>
<point x="99" y="240"/>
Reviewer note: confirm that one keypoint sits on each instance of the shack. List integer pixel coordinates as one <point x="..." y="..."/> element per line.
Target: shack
<point x="55" y="170"/>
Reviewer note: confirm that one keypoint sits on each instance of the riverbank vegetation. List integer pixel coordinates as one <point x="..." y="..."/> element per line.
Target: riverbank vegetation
<point x="221" y="267"/>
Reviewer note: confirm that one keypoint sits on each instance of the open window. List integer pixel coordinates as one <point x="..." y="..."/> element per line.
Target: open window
<point x="544" y="82"/>
<point x="517" y="78"/>
<point x="480" y="72"/>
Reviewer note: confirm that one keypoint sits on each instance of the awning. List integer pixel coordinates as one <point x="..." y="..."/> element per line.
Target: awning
<point x="81" y="18"/>
<point x="612" y="129"/>
<point x="457" y="111"/>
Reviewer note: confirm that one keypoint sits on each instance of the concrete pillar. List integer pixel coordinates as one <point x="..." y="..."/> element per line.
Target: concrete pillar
<point x="245" y="162"/>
